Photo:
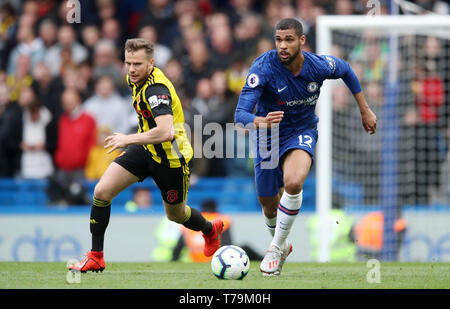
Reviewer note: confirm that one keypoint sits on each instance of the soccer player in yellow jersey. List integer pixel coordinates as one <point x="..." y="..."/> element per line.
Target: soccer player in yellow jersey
<point x="160" y="149"/>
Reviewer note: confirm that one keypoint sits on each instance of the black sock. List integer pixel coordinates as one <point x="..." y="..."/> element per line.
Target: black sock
<point x="100" y="213"/>
<point x="195" y="221"/>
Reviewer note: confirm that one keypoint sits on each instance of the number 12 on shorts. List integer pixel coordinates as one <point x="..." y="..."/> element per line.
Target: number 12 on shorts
<point x="305" y="140"/>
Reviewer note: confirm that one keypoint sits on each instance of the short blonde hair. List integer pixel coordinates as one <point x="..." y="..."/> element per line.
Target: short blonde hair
<point x="133" y="45"/>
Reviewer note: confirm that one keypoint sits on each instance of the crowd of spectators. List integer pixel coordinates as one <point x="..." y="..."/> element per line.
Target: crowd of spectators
<point x="62" y="83"/>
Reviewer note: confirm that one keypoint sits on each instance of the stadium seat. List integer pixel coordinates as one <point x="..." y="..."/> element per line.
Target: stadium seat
<point x="231" y="194"/>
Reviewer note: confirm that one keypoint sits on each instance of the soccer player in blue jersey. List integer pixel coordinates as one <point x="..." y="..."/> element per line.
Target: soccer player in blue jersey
<point x="284" y="85"/>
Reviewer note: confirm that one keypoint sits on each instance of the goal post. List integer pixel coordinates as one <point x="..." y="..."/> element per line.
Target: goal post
<point x="390" y="27"/>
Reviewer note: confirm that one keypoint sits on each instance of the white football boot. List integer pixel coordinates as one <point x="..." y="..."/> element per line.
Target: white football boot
<point x="271" y="262"/>
<point x="274" y="259"/>
<point x="286" y="250"/>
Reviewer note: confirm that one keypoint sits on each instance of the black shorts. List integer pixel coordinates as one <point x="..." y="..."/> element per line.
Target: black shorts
<point x="173" y="182"/>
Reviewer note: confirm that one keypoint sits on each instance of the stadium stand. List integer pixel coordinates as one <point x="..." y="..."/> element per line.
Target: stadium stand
<point x="22" y="195"/>
<point x="41" y="47"/>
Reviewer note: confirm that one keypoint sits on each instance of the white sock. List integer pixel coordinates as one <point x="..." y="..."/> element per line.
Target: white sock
<point x="270" y="224"/>
<point x="286" y="214"/>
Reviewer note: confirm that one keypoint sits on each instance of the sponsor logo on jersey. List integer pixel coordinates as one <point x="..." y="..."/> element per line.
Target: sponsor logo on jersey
<point x="331" y="63"/>
<point x="280" y="90"/>
<point x="156" y="100"/>
<point x="312" y="100"/>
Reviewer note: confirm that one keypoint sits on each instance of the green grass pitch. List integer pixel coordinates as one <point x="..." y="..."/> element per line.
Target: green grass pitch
<point x="177" y="275"/>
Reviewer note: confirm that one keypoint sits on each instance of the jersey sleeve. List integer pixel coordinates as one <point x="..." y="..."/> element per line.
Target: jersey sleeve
<point x="159" y="99"/>
<point x="250" y="95"/>
<point x="338" y="68"/>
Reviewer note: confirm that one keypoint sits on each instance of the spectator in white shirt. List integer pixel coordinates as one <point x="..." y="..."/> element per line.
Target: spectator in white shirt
<point x="107" y="107"/>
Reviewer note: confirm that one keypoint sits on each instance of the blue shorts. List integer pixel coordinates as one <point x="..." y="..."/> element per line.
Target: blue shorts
<point x="269" y="179"/>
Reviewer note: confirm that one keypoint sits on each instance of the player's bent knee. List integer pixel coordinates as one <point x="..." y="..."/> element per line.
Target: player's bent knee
<point x="175" y="213"/>
<point x="293" y="185"/>
<point x="102" y="193"/>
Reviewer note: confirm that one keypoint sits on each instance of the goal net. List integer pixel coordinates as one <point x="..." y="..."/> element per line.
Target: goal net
<point x="399" y="177"/>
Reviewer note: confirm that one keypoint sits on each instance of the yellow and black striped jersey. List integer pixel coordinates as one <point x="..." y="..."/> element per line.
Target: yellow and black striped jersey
<point x="157" y="96"/>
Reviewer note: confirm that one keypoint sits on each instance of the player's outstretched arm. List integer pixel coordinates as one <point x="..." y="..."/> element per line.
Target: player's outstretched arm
<point x="341" y="69"/>
<point x="163" y="132"/>
<point x="368" y="117"/>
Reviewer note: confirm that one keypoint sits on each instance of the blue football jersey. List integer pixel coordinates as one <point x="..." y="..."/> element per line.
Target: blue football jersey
<point x="272" y="87"/>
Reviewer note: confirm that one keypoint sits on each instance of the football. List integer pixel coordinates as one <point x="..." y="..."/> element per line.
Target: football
<point x="230" y="262"/>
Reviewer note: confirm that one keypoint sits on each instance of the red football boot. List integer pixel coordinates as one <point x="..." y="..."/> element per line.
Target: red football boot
<point x="94" y="261"/>
<point x="212" y="240"/>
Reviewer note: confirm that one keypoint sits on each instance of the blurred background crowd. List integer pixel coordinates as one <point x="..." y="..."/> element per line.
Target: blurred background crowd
<point x="62" y="84"/>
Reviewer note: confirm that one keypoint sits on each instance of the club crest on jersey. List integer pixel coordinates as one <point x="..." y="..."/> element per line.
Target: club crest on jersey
<point x="253" y="80"/>
<point x="312" y="87"/>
